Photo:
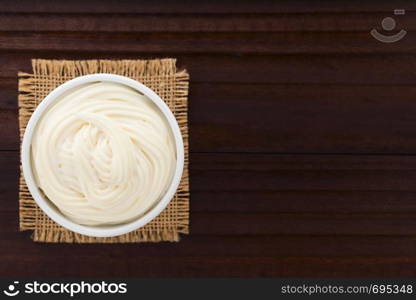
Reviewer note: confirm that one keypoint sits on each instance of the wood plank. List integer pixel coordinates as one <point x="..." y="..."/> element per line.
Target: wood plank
<point x="8" y="96"/>
<point x="251" y="22"/>
<point x="204" y="6"/>
<point x="302" y="224"/>
<point x="225" y="172"/>
<point x="9" y="130"/>
<point x="302" y="119"/>
<point x="238" y="246"/>
<point x="211" y="266"/>
<point x="308" y="201"/>
<point x="253" y="69"/>
<point x="218" y="43"/>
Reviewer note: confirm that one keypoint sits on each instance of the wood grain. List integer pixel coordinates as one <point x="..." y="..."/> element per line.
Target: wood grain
<point x="303" y="157"/>
<point x="204" y="6"/>
<point x="220" y="22"/>
<point x="357" y="70"/>
<point x="195" y="43"/>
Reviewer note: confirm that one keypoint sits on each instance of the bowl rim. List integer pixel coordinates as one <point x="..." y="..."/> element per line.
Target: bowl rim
<point x="46" y="206"/>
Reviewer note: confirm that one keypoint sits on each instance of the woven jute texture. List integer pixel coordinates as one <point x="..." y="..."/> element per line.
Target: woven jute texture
<point x="160" y="75"/>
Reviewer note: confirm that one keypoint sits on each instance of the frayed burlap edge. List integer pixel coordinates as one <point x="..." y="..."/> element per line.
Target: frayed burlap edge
<point x="158" y="74"/>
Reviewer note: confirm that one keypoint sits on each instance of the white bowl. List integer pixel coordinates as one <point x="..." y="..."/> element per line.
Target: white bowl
<point x="47" y="206"/>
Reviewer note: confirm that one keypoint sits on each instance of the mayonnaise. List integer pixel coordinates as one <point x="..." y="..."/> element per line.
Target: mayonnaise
<point x="103" y="154"/>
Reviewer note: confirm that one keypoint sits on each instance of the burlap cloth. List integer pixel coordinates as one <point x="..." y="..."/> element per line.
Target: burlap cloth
<point x="161" y="76"/>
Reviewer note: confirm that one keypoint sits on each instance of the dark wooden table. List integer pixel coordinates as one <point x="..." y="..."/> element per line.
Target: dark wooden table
<point x="302" y="132"/>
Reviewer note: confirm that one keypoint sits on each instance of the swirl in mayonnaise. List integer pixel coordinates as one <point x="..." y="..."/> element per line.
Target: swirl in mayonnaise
<point x="103" y="154"/>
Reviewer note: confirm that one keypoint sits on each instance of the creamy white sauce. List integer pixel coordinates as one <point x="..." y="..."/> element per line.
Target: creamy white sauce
<point x="103" y="154"/>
